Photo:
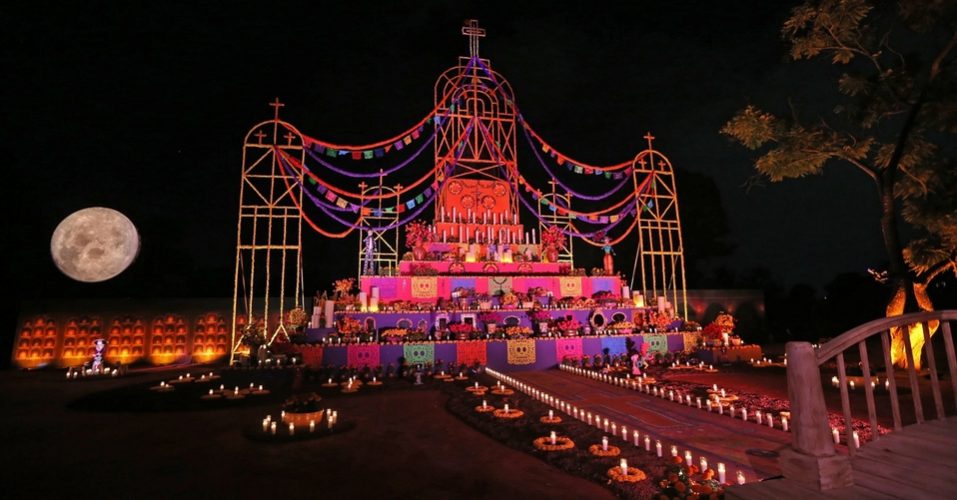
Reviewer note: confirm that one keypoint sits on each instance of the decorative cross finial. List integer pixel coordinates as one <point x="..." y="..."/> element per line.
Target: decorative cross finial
<point x="649" y="138"/>
<point x="472" y="30"/>
<point x="259" y="135"/>
<point x="289" y="137"/>
<point x="276" y="105"/>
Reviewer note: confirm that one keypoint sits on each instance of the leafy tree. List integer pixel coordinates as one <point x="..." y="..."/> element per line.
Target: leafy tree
<point x="895" y="121"/>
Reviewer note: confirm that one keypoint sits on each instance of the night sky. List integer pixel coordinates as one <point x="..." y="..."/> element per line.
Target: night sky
<point x="142" y="107"/>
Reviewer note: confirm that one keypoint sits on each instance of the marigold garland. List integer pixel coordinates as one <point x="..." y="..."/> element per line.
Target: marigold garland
<point x="612" y="451"/>
<point x="485" y="409"/>
<point x="476" y="388"/>
<point x="633" y="476"/>
<point x="550" y="420"/>
<point x="503" y="392"/>
<point x="562" y="443"/>
<point x="512" y="414"/>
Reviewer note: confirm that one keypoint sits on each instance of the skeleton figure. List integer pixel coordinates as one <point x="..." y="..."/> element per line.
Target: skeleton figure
<point x="368" y="264"/>
<point x="99" y="349"/>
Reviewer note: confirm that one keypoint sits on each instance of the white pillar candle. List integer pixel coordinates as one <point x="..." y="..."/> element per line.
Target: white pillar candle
<point x="604" y="443"/>
<point x="688" y="458"/>
<point x="857" y="439"/>
<point x="506" y="408"/>
<point x="698" y="400"/>
<point x="553" y="437"/>
<point x="606" y="425"/>
<point x="614" y="429"/>
<point x="784" y="424"/>
<point x="265" y="425"/>
<point x="551" y="414"/>
<point x="634" y="435"/>
<point x="741" y="477"/>
<point x="703" y="464"/>
<point x="721" y="473"/>
<point x="658" y="448"/>
<point x="624" y="433"/>
<point x="709" y="405"/>
<point x="836" y="434"/>
<point x="312" y="426"/>
<point x="624" y="466"/>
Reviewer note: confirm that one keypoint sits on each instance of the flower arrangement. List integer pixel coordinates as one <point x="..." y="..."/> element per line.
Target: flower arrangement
<point x="461" y="328"/>
<point x="343" y="287"/>
<point x="622" y="325"/>
<point x="348" y="326"/>
<point x="297" y="317"/>
<point x="302" y="403"/>
<point x="517" y="332"/>
<point x="395" y="332"/>
<point x="711" y="332"/>
<point x="562" y="443"/>
<point x="598" y="451"/>
<point x="508" y="299"/>
<point x="568" y="324"/>
<point x="417" y="233"/>
<point x="553" y="238"/>
<point x="511" y="414"/>
<point x="633" y="475"/>
<point x="539" y="315"/>
<point x="602" y="296"/>
<point x="726" y="322"/>
<point x="489" y="317"/>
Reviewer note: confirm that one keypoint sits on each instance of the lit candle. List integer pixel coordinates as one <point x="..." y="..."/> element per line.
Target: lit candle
<point x="674" y="451"/>
<point x="721" y="473"/>
<point x="657" y="447"/>
<point x="709" y="405"/>
<point x="312" y="426"/>
<point x="852" y="385"/>
<point x="624" y="467"/>
<point x="484" y="404"/>
<point x="265" y="425"/>
<point x="733" y="410"/>
<point x="506" y="407"/>
<point x="606" y="425"/>
<point x="770" y="420"/>
<point x="604" y="443"/>
<point x="551" y="414"/>
<point x="210" y="392"/>
<point x="272" y="428"/>
<point x="837" y="435"/>
<point x="703" y="464"/>
<point x="614" y="429"/>
<point x="292" y="429"/>
<point x="635" y="437"/>
<point x="260" y="387"/>
<point x="671" y="395"/>
<point x="857" y="439"/>
<point x="740" y="477"/>
<point x="688" y="458"/>
<point x="723" y="394"/>
<point x="834" y="381"/>
<point x="553" y="437"/>
<point x="698" y="400"/>
<point x="624" y="433"/>
<point x="721" y="409"/>
<point x="715" y="387"/>
<point x="784" y="423"/>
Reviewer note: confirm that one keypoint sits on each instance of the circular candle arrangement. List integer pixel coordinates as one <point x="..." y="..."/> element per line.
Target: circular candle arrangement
<point x="461" y="377"/>
<point x="211" y="395"/>
<point x="508" y="414"/>
<point x="442" y="376"/>
<point x="485" y="408"/>
<point x="374" y="383"/>
<point x="476" y="388"/>
<point x="562" y="443"/>
<point x="502" y="391"/>
<point x="599" y="451"/>
<point x="163" y="387"/>
<point x="550" y="420"/>
<point x="633" y="476"/>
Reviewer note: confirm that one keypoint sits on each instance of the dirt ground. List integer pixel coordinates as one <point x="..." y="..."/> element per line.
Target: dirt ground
<point x="405" y="445"/>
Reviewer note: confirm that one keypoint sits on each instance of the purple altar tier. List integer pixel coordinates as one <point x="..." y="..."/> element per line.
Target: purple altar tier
<point x="430" y="288"/>
<point x="502" y="355"/>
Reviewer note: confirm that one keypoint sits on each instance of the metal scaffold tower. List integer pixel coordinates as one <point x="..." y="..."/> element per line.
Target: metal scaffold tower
<point x="269" y="231"/>
<point x="660" y="251"/>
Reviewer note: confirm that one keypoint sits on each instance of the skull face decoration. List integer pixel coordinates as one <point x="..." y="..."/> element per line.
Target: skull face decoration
<point x="99" y="350"/>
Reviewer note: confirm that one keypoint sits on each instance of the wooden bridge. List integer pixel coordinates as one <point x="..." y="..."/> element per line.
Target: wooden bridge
<point x="903" y="454"/>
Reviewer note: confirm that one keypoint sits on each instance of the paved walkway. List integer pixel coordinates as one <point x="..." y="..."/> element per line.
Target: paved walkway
<point x="738" y="444"/>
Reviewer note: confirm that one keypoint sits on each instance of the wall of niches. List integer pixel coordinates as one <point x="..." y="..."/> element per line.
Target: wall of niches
<point x="67" y="340"/>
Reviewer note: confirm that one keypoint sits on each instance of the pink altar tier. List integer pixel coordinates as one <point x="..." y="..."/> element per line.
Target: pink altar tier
<point x="430" y="288"/>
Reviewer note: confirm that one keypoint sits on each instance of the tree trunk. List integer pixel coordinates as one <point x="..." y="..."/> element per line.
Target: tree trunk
<point x="906" y="296"/>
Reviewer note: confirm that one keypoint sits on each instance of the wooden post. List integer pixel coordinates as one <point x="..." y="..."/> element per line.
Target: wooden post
<point x="811" y="459"/>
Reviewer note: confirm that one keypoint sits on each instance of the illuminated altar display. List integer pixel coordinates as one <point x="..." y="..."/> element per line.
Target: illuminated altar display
<point x="475" y="254"/>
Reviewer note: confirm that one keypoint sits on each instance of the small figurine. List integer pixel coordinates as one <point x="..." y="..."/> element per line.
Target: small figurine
<point x="609" y="261"/>
<point x="99" y="349"/>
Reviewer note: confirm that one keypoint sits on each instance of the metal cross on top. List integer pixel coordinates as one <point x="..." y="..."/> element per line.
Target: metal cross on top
<point x="472" y="30"/>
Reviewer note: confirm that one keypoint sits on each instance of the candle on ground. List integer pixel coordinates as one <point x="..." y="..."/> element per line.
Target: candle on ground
<point x="553" y="437"/>
<point x="741" y="477"/>
<point x="635" y="436"/>
<point x="703" y="464"/>
<point x="484" y="404"/>
<point x="721" y="473"/>
<point x="272" y="427"/>
<point x="674" y="451"/>
<point x="312" y="426"/>
<point x="688" y="458"/>
<point x="551" y="414"/>
<point x="292" y="429"/>
<point x="604" y="443"/>
<point x="265" y="424"/>
<point x="857" y="439"/>
<point x="784" y="423"/>
<point x="657" y="447"/>
<point x="624" y="467"/>
<point x="836" y="434"/>
<point x="506" y="408"/>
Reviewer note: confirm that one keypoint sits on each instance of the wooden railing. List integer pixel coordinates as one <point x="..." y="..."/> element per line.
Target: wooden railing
<point x="812" y="458"/>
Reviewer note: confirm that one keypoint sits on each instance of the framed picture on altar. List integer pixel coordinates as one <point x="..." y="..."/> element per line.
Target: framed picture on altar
<point x="468" y="319"/>
<point x="441" y="322"/>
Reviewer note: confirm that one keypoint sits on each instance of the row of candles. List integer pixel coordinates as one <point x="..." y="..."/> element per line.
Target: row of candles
<point x="74" y="373"/>
<point x="270" y="425"/>
<point x="836" y="382"/>
<point x="610" y="427"/>
<point x="639" y="384"/>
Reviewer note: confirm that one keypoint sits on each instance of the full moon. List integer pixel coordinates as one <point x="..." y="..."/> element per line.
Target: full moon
<point x="94" y="244"/>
